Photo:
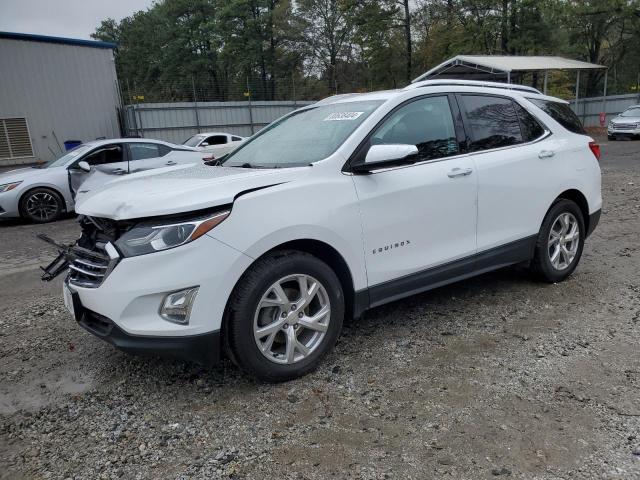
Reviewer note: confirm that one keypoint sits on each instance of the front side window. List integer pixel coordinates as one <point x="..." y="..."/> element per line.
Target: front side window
<point x="426" y="123"/>
<point x="141" y="151"/>
<point x="561" y="113"/>
<point x="492" y="120"/>
<point x="303" y="137"/>
<point x="531" y="128"/>
<point x="104" y="155"/>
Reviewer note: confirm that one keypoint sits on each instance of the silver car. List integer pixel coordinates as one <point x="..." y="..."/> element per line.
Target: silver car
<point x="43" y="193"/>
<point x="627" y="124"/>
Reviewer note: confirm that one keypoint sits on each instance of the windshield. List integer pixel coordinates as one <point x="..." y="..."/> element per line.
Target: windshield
<point x="68" y="156"/>
<point x="303" y="137"/>
<point x="193" y="141"/>
<point x="631" y="112"/>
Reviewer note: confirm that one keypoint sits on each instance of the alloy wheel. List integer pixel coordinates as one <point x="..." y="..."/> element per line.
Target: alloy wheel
<point x="291" y="319"/>
<point x="42" y="205"/>
<point x="564" y="240"/>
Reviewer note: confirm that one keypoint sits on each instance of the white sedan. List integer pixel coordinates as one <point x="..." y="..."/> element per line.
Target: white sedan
<point x="44" y="192"/>
<point x="217" y="144"/>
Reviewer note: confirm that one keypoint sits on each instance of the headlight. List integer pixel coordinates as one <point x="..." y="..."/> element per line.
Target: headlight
<point x="153" y="237"/>
<point x="9" y="186"/>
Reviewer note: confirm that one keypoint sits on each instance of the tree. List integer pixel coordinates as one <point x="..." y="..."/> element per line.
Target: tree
<point x="325" y="32"/>
<point x="329" y="46"/>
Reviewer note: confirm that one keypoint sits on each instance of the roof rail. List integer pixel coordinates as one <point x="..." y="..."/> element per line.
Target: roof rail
<point x="334" y="98"/>
<point x="471" y="83"/>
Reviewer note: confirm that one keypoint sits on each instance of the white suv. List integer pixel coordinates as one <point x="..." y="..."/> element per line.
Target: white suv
<point x="347" y="204"/>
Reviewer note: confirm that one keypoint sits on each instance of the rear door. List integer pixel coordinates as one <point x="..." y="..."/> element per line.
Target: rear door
<point x="147" y="156"/>
<point x="513" y="155"/>
<point x="419" y="216"/>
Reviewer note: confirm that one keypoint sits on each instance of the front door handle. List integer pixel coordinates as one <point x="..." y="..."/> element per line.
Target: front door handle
<point x="119" y="171"/>
<point x="459" y="172"/>
<point x="546" y="154"/>
<point x="171" y="162"/>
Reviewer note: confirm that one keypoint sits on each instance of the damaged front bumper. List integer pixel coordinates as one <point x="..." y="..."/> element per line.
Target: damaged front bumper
<point x="119" y="299"/>
<point x="203" y="349"/>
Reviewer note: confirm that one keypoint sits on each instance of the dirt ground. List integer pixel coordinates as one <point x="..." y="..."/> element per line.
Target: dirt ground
<point x="494" y="377"/>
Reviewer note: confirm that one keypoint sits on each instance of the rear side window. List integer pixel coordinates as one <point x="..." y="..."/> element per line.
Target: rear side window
<point x="531" y="128"/>
<point x="216" y="140"/>
<point x="561" y="113"/>
<point x="492" y="120"/>
<point x="142" y="151"/>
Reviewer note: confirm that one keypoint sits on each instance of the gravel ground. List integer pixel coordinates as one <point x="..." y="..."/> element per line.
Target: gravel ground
<point x="494" y="377"/>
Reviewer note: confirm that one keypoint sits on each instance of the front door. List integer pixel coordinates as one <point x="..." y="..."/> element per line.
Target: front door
<point x="108" y="159"/>
<point x="420" y="216"/>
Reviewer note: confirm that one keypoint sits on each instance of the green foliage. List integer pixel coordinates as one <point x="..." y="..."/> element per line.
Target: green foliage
<point x="276" y="49"/>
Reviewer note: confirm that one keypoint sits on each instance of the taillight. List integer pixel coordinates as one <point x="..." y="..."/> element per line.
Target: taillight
<point x="595" y="149"/>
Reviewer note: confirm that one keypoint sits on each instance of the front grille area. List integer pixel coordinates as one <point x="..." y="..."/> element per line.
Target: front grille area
<point x="625" y="126"/>
<point x="89" y="268"/>
<point x="94" y="257"/>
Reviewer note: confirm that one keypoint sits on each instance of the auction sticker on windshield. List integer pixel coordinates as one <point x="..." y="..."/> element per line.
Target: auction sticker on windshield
<point x="342" y="116"/>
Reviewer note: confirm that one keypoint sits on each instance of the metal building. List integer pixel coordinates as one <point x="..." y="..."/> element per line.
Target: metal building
<point x="53" y="90"/>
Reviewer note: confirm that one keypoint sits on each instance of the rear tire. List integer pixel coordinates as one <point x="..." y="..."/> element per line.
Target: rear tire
<point x="274" y="331"/>
<point x="560" y="242"/>
<point x="41" y="205"/>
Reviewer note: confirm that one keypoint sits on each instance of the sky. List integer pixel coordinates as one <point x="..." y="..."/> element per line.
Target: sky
<point x="64" y="18"/>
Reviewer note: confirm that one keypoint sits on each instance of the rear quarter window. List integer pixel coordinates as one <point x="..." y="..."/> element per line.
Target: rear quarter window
<point x="561" y="113"/>
<point x="531" y="128"/>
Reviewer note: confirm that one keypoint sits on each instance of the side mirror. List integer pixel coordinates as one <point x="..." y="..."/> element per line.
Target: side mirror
<point x="204" y="144"/>
<point x="384" y="156"/>
<point x="84" y="166"/>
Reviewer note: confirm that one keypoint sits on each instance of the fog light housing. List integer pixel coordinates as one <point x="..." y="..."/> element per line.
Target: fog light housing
<point x="176" y="306"/>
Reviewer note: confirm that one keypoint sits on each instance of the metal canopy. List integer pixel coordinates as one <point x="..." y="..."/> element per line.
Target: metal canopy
<point x="496" y="67"/>
<point x="510" y="68"/>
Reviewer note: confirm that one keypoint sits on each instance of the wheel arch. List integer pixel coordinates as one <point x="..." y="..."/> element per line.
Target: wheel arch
<point x="44" y="186"/>
<point x="579" y="199"/>
<point x="355" y="304"/>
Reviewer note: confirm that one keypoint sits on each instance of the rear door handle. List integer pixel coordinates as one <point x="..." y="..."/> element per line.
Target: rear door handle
<point x="459" y="172"/>
<point x="546" y="154"/>
<point x="171" y="162"/>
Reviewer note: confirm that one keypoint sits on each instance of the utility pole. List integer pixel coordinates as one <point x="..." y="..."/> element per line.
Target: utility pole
<point x="195" y="103"/>
<point x="250" y="110"/>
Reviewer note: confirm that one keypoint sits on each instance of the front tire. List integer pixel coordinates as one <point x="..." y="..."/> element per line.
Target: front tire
<point x="285" y="315"/>
<point x="41" y="205"/>
<point x="560" y="242"/>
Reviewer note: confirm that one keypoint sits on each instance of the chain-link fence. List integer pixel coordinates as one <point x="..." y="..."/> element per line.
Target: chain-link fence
<point x="174" y="109"/>
<point x="212" y="89"/>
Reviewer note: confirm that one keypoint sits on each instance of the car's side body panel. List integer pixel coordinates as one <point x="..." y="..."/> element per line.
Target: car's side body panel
<point x="416" y="217"/>
<point x="321" y="206"/>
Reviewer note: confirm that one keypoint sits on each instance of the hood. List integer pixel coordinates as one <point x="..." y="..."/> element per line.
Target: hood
<point x="619" y="119"/>
<point x="180" y="190"/>
<point x="22" y="174"/>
